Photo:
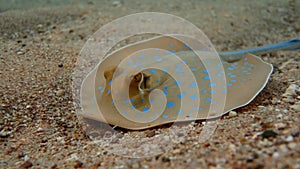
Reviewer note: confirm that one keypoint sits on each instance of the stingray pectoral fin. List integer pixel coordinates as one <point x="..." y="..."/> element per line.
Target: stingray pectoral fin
<point x="89" y="104"/>
<point x="245" y="80"/>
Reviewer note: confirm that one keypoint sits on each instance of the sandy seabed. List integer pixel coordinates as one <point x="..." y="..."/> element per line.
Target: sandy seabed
<point x="38" y="124"/>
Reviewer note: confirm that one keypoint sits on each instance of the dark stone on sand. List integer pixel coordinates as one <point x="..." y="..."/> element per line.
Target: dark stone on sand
<point x="268" y="134"/>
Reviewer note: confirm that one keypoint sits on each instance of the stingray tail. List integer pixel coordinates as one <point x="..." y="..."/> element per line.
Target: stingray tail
<point x="236" y="55"/>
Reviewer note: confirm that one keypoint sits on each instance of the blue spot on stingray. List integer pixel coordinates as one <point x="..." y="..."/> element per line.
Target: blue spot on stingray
<point x="232" y="76"/>
<point x="108" y="91"/>
<point x="206" y="71"/>
<point x="193" y="69"/>
<point x="133" y="107"/>
<point x="184" y="61"/>
<point x="151" y="89"/>
<point x="230" y="68"/>
<point x="193" y="97"/>
<point x="171" y="45"/>
<point x="212" y="92"/>
<point x="167" y="52"/>
<point x="131" y="100"/>
<point x="173" y="52"/>
<point x="143" y="100"/>
<point x="184" y="93"/>
<point x="201" y="108"/>
<point x="166" y="87"/>
<point x="136" y="64"/>
<point x="165" y="70"/>
<point x="219" y="74"/>
<point x="178" y="65"/>
<point x="99" y="87"/>
<point x="179" y="112"/>
<point x="146" y="110"/>
<point x="208" y="99"/>
<point x="212" y="84"/>
<point x="157" y="81"/>
<point x="179" y="71"/>
<point x="229" y="84"/>
<point x="224" y="91"/>
<point x="150" y="117"/>
<point x="203" y="91"/>
<point x="110" y="82"/>
<point x="165" y="92"/>
<point x="142" y="57"/>
<point x="139" y="115"/>
<point x="159" y="60"/>
<point x="151" y="101"/>
<point x="164" y="116"/>
<point x="152" y="71"/>
<point x="179" y="96"/>
<point x="206" y="77"/>
<point x="195" y="108"/>
<point x="177" y="83"/>
<point x="113" y="102"/>
<point x="193" y="84"/>
<point x="170" y="104"/>
<point x="233" y="80"/>
<point x="125" y="113"/>
<point x="155" y="57"/>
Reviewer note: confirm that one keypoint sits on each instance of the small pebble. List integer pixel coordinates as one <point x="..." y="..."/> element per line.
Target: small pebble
<point x="292" y="146"/>
<point x="289" y="139"/>
<point x="291" y="90"/>
<point x="280" y="125"/>
<point x="276" y="155"/>
<point x="232" y="113"/>
<point x="279" y="116"/>
<point x="40" y="129"/>
<point x="20" y="52"/>
<point x="60" y="92"/>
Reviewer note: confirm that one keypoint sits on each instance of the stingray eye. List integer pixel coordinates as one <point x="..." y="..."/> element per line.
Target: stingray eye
<point x="137" y="77"/>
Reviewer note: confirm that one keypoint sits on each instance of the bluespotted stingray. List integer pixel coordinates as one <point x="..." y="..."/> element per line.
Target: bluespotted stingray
<point x="164" y="80"/>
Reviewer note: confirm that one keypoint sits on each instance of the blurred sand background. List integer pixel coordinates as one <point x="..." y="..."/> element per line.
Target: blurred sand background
<point x="40" y="40"/>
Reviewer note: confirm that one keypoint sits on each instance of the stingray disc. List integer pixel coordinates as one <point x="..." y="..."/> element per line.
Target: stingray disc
<point x="136" y="88"/>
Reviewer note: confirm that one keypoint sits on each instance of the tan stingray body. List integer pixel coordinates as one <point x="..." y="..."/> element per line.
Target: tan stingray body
<point x="244" y="79"/>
